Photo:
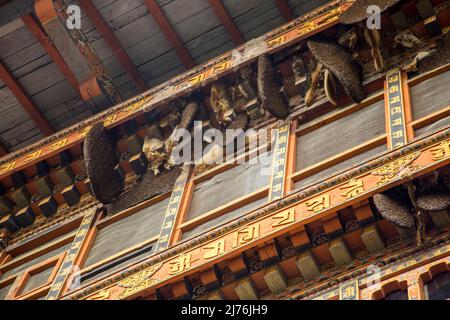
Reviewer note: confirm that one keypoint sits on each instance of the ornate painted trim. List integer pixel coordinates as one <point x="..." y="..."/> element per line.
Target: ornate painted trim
<point x="349" y="290"/>
<point x="172" y="210"/>
<point x="279" y="162"/>
<point x="69" y="260"/>
<point x="395" y="109"/>
<point x="284" y="215"/>
<point x="300" y="28"/>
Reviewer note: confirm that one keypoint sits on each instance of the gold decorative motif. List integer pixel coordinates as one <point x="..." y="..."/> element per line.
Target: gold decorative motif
<point x="101" y="295"/>
<point x="7" y="167"/>
<point x="349" y="291"/>
<point x="276" y="41"/>
<point x="396" y="168"/>
<point x="352" y="188"/>
<point x="214" y="250"/>
<point x="32" y="156"/>
<point x="180" y="264"/>
<point x="284" y="218"/>
<point x="58" y="145"/>
<point x="244" y="235"/>
<point x="138" y="281"/>
<point x="442" y="151"/>
<point x="319" y="203"/>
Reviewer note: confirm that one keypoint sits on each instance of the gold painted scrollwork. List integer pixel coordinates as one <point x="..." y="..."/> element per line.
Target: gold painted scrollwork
<point x="101" y="295"/>
<point x="396" y="168"/>
<point x="441" y="151"/>
<point x="138" y="281"/>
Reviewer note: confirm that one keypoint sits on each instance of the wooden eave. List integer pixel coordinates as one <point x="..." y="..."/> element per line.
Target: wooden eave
<point x="274" y="41"/>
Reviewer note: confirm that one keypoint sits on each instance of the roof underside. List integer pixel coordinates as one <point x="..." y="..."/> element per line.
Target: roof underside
<point x="195" y="23"/>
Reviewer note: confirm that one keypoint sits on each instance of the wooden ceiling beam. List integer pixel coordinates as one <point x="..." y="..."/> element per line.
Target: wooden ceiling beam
<point x="112" y="41"/>
<point x="285" y="9"/>
<point x="17" y="90"/>
<point x="95" y="84"/>
<point x="170" y="33"/>
<point x="228" y="23"/>
<point x="35" y="28"/>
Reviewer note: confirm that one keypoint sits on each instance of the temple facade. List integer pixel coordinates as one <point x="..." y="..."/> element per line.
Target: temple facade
<point x="312" y="162"/>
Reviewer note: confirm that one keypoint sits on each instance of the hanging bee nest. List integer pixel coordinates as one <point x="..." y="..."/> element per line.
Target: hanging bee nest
<point x="432" y="200"/>
<point x="439" y="57"/>
<point x="149" y="187"/>
<point x="444" y="174"/>
<point x="221" y="105"/>
<point x="188" y="115"/>
<point x="393" y="206"/>
<point x="269" y="91"/>
<point x="100" y="159"/>
<point x="240" y="121"/>
<point x="339" y="62"/>
<point x="358" y="11"/>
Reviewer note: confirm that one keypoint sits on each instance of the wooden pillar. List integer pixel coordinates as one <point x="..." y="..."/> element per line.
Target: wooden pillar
<point x="290" y="162"/>
<point x="408" y="107"/>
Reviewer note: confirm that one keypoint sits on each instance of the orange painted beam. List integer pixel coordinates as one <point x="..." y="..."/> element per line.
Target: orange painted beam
<point x="35" y="28"/>
<point x="228" y="23"/>
<point x="120" y="53"/>
<point x="285" y="9"/>
<point x="26" y="102"/>
<point x="170" y="33"/>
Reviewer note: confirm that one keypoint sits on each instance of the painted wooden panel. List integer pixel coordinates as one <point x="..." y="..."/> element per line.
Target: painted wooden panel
<point x="238" y="182"/>
<point x="37" y="280"/>
<point x="4" y="291"/>
<point x="438" y="125"/>
<point x="340" y="167"/>
<point x="117" y="264"/>
<point x="35" y="261"/>
<point x="127" y="232"/>
<point x="341" y="135"/>
<point x="224" y="218"/>
<point x="430" y="95"/>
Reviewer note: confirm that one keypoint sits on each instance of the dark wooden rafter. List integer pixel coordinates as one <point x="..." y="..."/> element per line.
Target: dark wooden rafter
<point x="3" y="150"/>
<point x="120" y="53"/>
<point x="17" y="90"/>
<point x="285" y="9"/>
<point x="228" y="23"/>
<point x="35" y="28"/>
<point x="170" y="33"/>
